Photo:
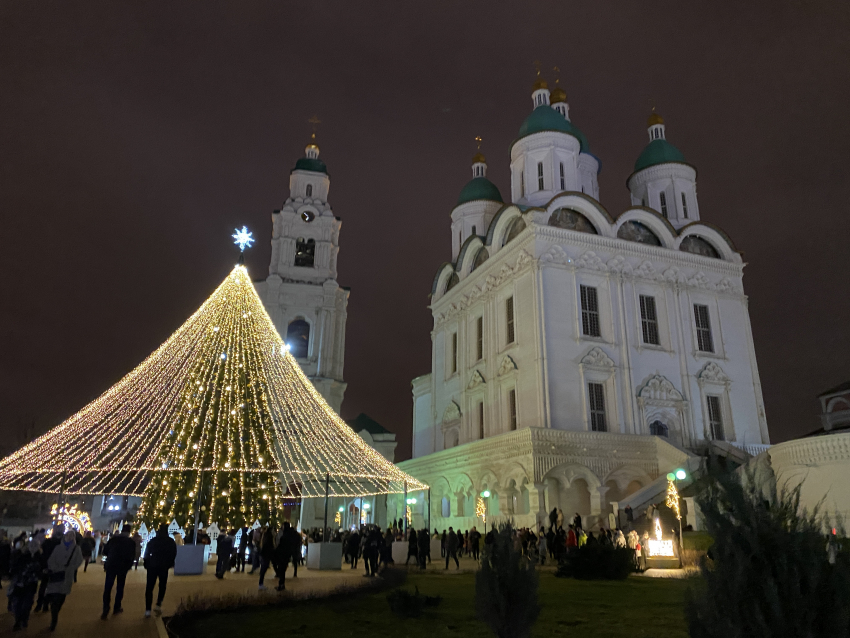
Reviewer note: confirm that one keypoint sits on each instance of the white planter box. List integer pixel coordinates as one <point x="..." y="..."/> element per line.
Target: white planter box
<point x="190" y="559"/>
<point x="324" y="556"/>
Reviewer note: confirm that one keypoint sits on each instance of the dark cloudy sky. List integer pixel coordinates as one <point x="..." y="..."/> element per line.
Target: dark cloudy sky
<point x="134" y="136"/>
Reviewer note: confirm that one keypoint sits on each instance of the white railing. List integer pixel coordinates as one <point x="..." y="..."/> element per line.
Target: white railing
<point x="753" y="449"/>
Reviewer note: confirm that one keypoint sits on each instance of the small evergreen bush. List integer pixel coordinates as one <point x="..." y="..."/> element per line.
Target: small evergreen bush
<point x="403" y="603"/>
<point x="767" y="573"/>
<point x="592" y="562"/>
<point x="506" y="587"/>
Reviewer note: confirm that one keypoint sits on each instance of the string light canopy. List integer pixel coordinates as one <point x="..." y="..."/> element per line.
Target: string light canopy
<point x="220" y="417"/>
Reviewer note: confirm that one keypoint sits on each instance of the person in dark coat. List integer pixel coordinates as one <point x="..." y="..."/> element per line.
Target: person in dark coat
<point x="25" y="569"/>
<point x="423" y="542"/>
<point x="354" y="548"/>
<point x="293" y="539"/>
<point x="223" y="550"/>
<point x="412" y="547"/>
<point x="451" y="548"/>
<point x="47" y="548"/>
<point x="371" y="550"/>
<point x="243" y="546"/>
<point x="87" y="547"/>
<point x="160" y="554"/>
<point x="120" y="553"/>
<point x="266" y="554"/>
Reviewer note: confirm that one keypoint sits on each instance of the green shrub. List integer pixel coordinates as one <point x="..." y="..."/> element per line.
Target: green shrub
<point x="767" y="573"/>
<point x="506" y="588"/>
<point x="592" y="562"/>
<point x="403" y="603"/>
<point x="698" y="541"/>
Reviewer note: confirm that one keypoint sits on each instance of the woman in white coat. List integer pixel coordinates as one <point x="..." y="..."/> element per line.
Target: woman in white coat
<point x="63" y="562"/>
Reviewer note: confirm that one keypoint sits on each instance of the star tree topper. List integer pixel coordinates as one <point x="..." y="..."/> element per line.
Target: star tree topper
<point x="243" y="238"/>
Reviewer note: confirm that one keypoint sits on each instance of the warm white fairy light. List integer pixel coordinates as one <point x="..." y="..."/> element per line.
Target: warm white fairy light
<point x="216" y="396"/>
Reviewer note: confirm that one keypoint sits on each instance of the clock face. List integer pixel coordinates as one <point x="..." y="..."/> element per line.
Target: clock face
<point x="307" y="216"/>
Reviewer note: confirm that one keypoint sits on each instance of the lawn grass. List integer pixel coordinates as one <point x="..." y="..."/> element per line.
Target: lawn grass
<point x="590" y="609"/>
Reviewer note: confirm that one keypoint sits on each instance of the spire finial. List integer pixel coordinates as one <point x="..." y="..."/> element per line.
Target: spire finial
<point x="478" y="140"/>
<point x="313" y="148"/>
<point x="479" y="163"/>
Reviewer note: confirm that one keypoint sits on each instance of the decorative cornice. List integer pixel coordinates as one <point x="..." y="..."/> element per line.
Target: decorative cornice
<point x="712" y="373"/>
<point x="596" y="358"/>
<point x="475" y="380"/>
<point x="659" y="388"/>
<point x="507" y="365"/>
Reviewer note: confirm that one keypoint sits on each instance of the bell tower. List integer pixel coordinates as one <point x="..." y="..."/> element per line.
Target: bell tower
<point x="301" y="293"/>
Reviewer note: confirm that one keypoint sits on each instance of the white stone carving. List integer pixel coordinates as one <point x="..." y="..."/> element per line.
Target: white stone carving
<point x="556" y="255"/>
<point x="507" y="365"/>
<point x="646" y="271"/>
<point x="452" y="412"/>
<point x="619" y="265"/>
<point x="712" y="373"/>
<point x="597" y="358"/>
<point x="591" y="261"/>
<point x="659" y="388"/>
<point x="475" y="380"/>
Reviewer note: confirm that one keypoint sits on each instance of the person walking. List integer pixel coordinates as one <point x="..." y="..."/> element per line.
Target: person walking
<point x="120" y="553"/>
<point x="256" y="540"/>
<point x="47" y="547"/>
<point x="160" y="554"/>
<point x="266" y="553"/>
<point x="243" y="546"/>
<point x="64" y="560"/>
<point x="96" y="536"/>
<point x="25" y="571"/>
<point x="282" y="554"/>
<point x="423" y="542"/>
<point x="475" y="543"/>
<point x="223" y="552"/>
<point x="541" y="546"/>
<point x="372" y="550"/>
<point x="412" y="546"/>
<point x="137" y="539"/>
<point x="354" y="548"/>
<point x="87" y="547"/>
<point x="451" y="548"/>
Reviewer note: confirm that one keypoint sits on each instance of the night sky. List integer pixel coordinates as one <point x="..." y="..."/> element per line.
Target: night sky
<point x="135" y="136"/>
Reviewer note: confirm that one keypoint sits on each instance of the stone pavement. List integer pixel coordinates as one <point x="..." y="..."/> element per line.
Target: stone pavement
<point x="80" y="616"/>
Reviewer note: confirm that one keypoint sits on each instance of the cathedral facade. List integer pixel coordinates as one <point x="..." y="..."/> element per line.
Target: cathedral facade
<point x="578" y="355"/>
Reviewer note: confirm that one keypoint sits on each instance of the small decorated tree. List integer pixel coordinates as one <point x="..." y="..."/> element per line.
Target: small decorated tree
<point x="506" y="587"/>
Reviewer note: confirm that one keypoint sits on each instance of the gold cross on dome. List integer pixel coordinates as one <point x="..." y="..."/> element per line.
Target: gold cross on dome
<point x="478" y="139"/>
<point x="537" y="66"/>
<point x="315" y="121"/>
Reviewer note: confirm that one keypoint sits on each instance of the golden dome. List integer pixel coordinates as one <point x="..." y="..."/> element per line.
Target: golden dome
<point x="558" y="95"/>
<point x="540" y="83"/>
<point x="654" y="119"/>
<point x="479" y="159"/>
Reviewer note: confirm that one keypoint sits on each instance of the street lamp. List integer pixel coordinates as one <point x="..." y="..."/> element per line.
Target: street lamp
<point x="485" y="494"/>
<point x="673" y="479"/>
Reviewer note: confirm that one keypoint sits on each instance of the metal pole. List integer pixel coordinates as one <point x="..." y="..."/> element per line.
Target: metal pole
<point x="429" y="512"/>
<point x="404" y="509"/>
<point x="681" y="540"/>
<point x="198" y="509"/>
<point x="327" y="491"/>
<point x="60" y="506"/>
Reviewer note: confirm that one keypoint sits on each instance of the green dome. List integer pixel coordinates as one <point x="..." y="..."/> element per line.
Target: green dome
<point x="545" y="118"/>
<point x="658" y="152"/>
<point x="479" y="188"/>
<point x="310" y="164"/>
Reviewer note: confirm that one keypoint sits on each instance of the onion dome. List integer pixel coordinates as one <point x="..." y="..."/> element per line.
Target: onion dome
<point x="558" y="95"/>
<point x="654" y="118"/>
<point x="545" y="118"/>
<point x="659" y="150"/>
<point x="311" y="161"/>
<point x="539" y="83"/>
<point x="479" y="187"/>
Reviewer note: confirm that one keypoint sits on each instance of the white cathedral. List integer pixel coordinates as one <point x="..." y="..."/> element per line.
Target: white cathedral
<point x="576" y="356"/>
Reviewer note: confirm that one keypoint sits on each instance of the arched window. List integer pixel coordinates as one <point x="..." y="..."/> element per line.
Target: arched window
<point x="309" y="190"/>
<point x="540" y="176"/>
<point x="445" y="507"/>
<point x="698" y="246"/>
<point x="664" y="205"/>
<point x="516" y="227"/>
<point x="522" y="184"/>
<point x="564" y="179"/>
<point x="480" y="257"/>
<point x="684" y="206"/>
<point x="474" y="230"/>
<point x="298" y="338"/>
<point x="635" y="231"/>
<point x="305" y="252"/>
<point x="454" y="280"/>
<point x="657" y="428"/>
<point x="571" y="220"/>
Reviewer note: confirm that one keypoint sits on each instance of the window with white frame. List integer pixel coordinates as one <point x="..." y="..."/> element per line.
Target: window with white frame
<point x="596" y="407"/>
<point x="649" y="320"/>
<point x="684" y="205"/>
<point x="590" y="311"/>
<point x="509" y="319"/>
<point x="309" y="190"/>
<point x="479" y="338"/>
<point x="512" y="409"/>
<point x="715" y="417"/>
<point x="481" y="419"/>
<point x="563" y="179"/>
<point x="540" y="176"/>
<point x="454" y="352"/>
<point x="705" y="343"/>
<point x="445" y="507"/>
<point x="664" y="205"/>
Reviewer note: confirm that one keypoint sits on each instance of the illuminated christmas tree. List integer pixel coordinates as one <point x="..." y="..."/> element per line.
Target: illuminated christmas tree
<point x="220" y="417"/>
